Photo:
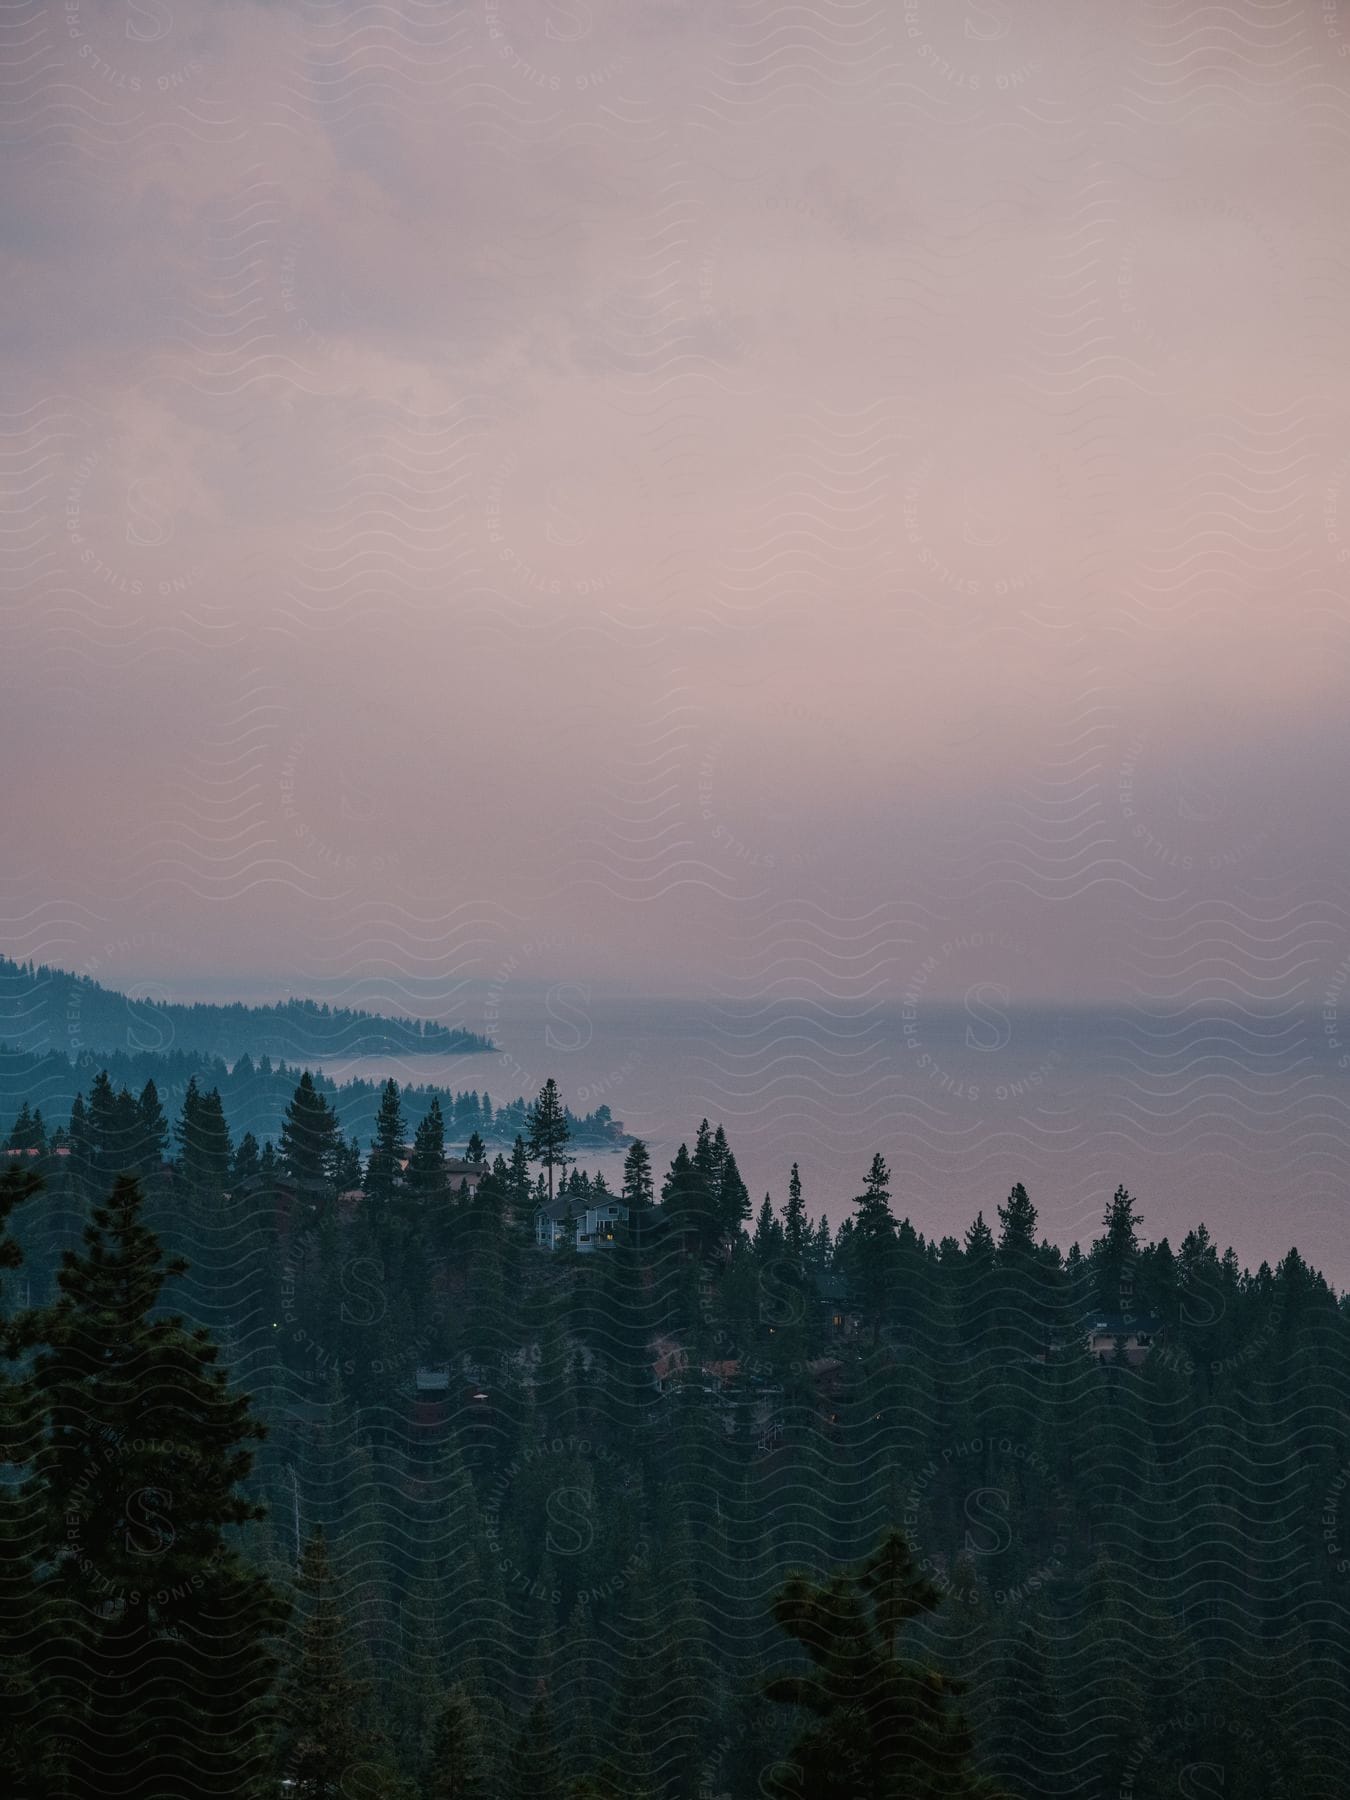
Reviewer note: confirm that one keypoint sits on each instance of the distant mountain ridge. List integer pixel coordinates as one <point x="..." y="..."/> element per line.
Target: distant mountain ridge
<point x="43" y="1008"/>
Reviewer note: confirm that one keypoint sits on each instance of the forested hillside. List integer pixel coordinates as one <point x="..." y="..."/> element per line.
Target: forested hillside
<point x="255" y="1094"/>
<point x="545" y="1503"/>
<point x="51" y="1009"/>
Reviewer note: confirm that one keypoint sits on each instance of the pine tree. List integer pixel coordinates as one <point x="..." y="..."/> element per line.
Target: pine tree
<point x="153" y="1136"/>
<point x="347" y="1165"/>
<point x="83" y="1174"/>
<point x="204" y="1148"/>
<point x="1115" y="1254"/>
<point x="768" y="1238"/>
<point x="322" y="1704"/>
<point x="883" y="1729"/>
<point x="682" y="1209"/>
<point x="638" y="1190"/>
<point x="247" y="1164"/>
<point x="101" y="1126"/>
<point x="386" y="1150"/>
<point x="22" y="1136"/>
<point x="310" y="1141"/>
<point x="519" y="1204"/>
<point x="733" y="1200"/>
<point x="873" y="1253"/>
<point x="457" y="1764"/>
<point x="979" y="1243"/>
<point x="25" y="1754"/>
<point x="548" y="1131"/>
<point x="475" y="1151"/>
<point x="796" y="1228"/>
<point x="1018" y="1220"/>
<point x="428" y="1179"/>
<point x="139" y="1476"/>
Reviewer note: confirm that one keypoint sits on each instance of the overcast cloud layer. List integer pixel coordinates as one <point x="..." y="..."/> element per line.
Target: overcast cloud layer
<point x="719" y="499"/>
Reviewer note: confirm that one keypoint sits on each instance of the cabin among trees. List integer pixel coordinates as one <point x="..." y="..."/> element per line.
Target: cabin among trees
<point x="585" y="1225"/>
<point x="1127" y="1335"/>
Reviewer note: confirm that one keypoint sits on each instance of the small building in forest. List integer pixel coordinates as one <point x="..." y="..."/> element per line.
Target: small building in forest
<point x="459" y="1172"/>
<point x="597" y="1225"/>
<point x="835" y="1305"/>
<point x="1135" y="1334"/>
<point x="467" y="1175"/>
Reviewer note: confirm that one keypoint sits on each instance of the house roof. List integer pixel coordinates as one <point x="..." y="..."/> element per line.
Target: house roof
<point x="578" y="1205"/>
<point x="558" y="1209"/>
<point x="1122" y="1324"/>
<point x="830" y="1287"/>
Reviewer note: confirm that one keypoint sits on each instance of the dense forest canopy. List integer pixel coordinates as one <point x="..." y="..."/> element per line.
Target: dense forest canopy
<point x="733" y="1504"/>
<point x="51" y="1009"/>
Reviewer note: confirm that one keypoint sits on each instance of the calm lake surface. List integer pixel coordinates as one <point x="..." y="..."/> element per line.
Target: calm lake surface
<point x="1238" y="1118"/>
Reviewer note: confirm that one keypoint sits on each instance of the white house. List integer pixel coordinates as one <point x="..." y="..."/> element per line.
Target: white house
<point x="596" y="1224"/>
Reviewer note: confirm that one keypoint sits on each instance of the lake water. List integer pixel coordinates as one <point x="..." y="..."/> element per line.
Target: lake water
<point x="1237" y="1118"/>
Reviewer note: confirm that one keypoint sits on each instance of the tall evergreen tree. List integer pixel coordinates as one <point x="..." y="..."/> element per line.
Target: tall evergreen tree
<point x="428" y="1179"/>
<point x="638" y="1190"/>
<point x="26" y="1753"/>
<point x="873" y="1253"/>
<point x="796" y="1227"/>
<point x="107" y="1156"/>
<point x="164" y="1627"/>
<point x="310" y="1141"/>
<point x="204" y="1148"/>
<point x="1018" y="1221"/>
<point x="548" y="1131"/>
<point x="1117" y="1251"/>
<point x="322" y="1704"/>
<point x="154" y="1134"/>
<point x="386" y="1150"/>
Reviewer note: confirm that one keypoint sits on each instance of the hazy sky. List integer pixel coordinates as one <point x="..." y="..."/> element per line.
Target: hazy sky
<point x="714" y="498"/>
